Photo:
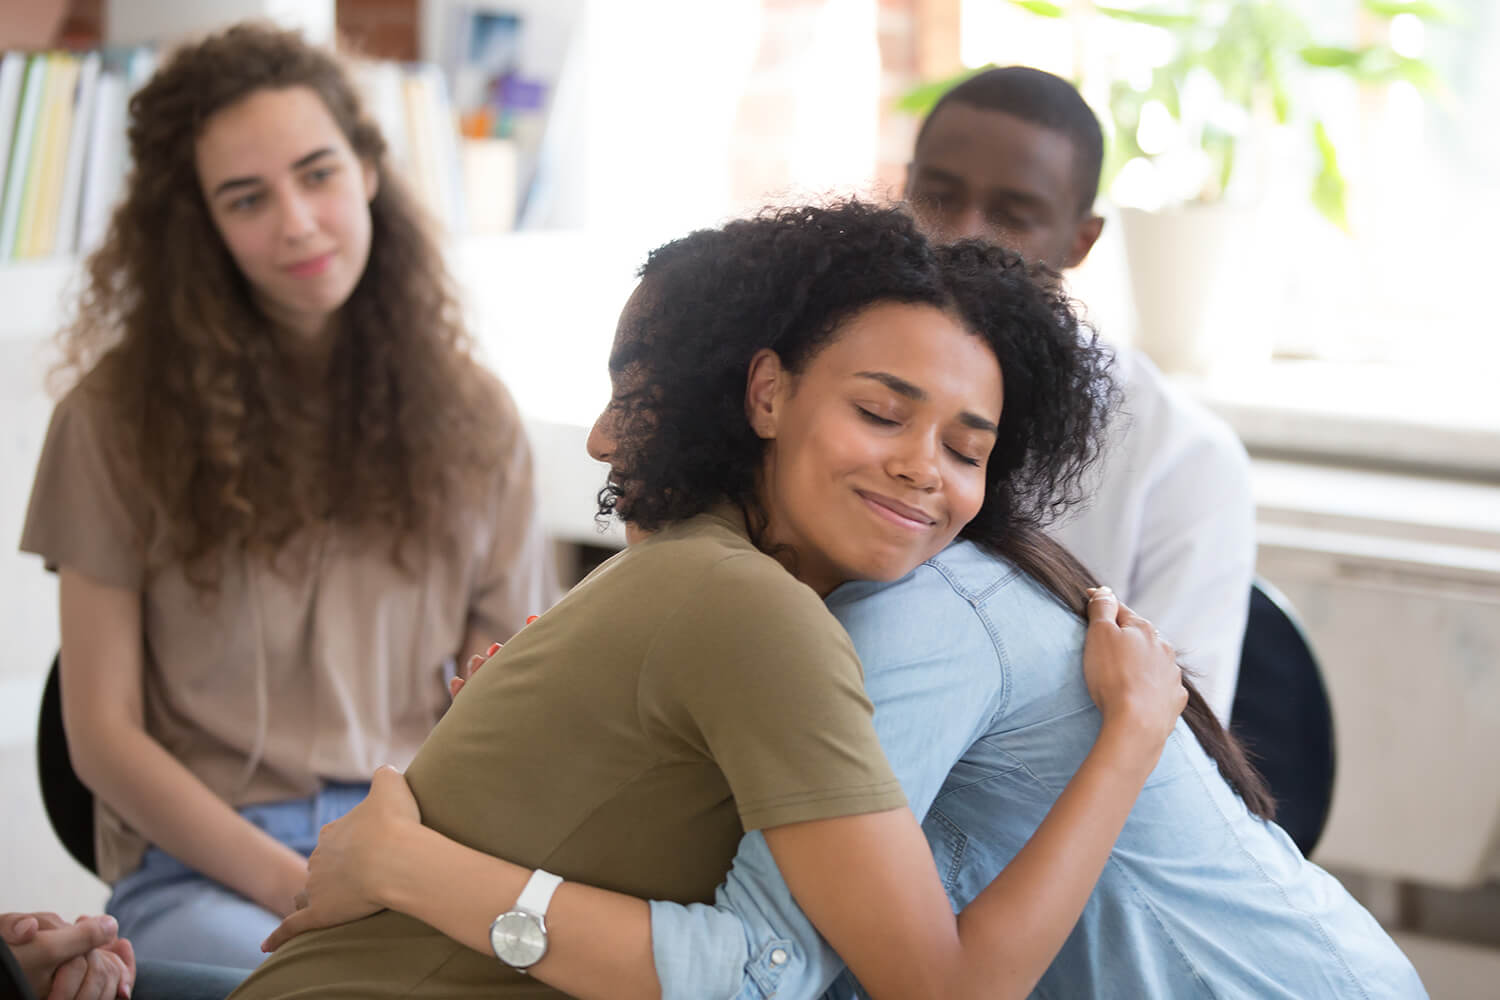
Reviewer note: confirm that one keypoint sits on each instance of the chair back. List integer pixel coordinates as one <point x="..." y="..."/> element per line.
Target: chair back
<point x="69" y="803"/>
<point x="1283" y="717"/>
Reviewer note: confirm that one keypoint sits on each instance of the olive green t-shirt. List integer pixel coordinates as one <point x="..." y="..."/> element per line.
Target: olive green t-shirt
<point x="688" y="690"/>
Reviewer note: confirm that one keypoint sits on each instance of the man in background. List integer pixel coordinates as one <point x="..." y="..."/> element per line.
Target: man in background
<point x="1013" y="156"/>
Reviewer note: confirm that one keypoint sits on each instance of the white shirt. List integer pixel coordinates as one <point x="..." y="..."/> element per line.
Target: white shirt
<point x="1171" y="524"/>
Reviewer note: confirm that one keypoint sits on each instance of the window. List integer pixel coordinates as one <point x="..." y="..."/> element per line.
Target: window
<point x="1423" y="183"/>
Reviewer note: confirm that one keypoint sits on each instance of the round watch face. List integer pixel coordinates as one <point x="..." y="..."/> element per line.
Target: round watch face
<point x="519" y="938"/>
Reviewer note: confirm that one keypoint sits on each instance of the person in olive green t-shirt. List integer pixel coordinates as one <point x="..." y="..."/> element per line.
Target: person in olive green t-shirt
<point x="800" y="400"/>
<point x="624" y="742"/>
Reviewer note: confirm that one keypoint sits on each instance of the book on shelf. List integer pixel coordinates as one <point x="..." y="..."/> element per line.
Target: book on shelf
<point x="410" y="103"/>
<point x="62" y="142"/>
<point x="49" y="158"/>
<point x="66" y="227"/>
<point x="12" y="71"/>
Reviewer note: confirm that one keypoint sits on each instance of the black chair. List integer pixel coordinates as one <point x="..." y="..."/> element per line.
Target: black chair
<point x="69" y="803"/>
<point x="1283" y="718"/>
<point x="13" y="982"/>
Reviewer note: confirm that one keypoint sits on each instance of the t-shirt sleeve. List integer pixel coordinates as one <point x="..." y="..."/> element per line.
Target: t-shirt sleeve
<point x="85" y="513"/>
<point x="515" y="577"/>
<point x="755" y="674"/>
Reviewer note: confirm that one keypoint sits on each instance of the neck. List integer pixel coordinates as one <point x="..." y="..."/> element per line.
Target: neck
<point x="308" y="351"/>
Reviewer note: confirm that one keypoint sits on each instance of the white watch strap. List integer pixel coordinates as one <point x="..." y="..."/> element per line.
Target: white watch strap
<point x="537" y="895"/>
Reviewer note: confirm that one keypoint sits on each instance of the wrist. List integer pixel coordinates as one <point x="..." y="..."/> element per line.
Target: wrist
<point x="280" y="896"/>
<point x="1129" y="747"/>
<point x="397" y="881"/>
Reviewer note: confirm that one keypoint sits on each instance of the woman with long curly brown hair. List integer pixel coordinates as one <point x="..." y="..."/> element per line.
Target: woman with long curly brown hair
<point x="280" y="497"/>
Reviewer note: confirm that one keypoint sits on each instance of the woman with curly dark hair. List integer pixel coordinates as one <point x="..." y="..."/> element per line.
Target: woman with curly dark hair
<point x="279" y="498"/>
<point x="814" y="381"/>
<point x="801" y="400"/>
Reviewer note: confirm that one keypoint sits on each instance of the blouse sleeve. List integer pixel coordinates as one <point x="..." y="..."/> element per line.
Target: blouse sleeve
<point x="86" y="511"/>
<point x="757" y="675"/>
<point x="515" y="577"/>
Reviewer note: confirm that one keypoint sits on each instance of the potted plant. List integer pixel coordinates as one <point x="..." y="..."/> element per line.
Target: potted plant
<point x="1189" y="85"/>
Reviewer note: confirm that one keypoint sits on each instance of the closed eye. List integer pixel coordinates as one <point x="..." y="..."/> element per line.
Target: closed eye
<point x="876" y="418"/>
<point x="966" y="459"/>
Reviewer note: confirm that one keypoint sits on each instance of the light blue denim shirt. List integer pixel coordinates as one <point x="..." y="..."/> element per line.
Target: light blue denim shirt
<point x="980" y="704"/>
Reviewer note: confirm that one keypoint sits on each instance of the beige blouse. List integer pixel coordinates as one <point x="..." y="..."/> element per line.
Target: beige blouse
<point x="287" y="677"/>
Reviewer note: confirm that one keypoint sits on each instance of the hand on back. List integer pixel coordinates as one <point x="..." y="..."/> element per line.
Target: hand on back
<point x="456" y="684"/>
<point x="351" y="852"/>
<point x="1131" y="671"/>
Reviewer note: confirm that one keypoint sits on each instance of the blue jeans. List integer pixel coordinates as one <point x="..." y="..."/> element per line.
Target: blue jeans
<point x="172" y="913"/>
<point x="184" y="981"/>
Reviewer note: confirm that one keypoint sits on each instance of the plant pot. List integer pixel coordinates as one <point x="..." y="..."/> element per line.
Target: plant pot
<point x="1195" y="299"/>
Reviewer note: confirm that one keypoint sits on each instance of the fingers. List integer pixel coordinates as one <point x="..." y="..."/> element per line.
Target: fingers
<point x="123" y="948"/>
<point x="457" y="682"/>
<point x="68" y="979"/>
<point x="384" y="775"/>
<point x="98" y="975"/>
<point x="73" y="940"/>
<point x="480" y="659"/>
<point x="288" y="929"/>
<point x="18" y="928"/>
<point x="1103" y="606"/>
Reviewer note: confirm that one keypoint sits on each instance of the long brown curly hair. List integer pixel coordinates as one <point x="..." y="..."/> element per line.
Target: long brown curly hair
<point x="229" y="446"/>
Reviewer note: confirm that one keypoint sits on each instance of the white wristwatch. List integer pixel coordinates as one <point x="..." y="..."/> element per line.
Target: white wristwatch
<point x="519" y="935"/>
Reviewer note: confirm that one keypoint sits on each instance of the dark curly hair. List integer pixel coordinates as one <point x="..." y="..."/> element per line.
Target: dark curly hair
<point x="787" y="280"/>
<point x="201" y="399"/>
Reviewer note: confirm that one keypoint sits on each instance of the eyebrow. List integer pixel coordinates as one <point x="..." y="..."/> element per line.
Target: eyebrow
<point x="240" y="182"/>
<point x="917" y="394"/>
<point x="1011" y="194"/>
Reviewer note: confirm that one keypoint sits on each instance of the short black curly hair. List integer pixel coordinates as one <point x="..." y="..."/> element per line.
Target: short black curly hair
<point x="787" y="279"/>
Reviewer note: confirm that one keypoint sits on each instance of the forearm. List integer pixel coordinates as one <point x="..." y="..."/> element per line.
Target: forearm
<point x="599" y="942"/>
<point x="1020" y="921"/>
<point x="168" y="805"/>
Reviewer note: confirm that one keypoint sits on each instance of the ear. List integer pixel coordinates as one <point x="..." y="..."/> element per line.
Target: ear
<point x="372" y="179"/>
<point x="1085" y="235"/>
<point x="765" y="385"/>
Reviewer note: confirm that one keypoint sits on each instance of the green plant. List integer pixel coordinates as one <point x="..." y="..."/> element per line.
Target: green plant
<point x="1232" y="63"/>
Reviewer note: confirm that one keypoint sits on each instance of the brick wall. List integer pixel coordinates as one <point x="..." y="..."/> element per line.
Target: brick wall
<point x="83" y="26"/>
<point x="384" y="29"/>
<point x="381" y="29"/>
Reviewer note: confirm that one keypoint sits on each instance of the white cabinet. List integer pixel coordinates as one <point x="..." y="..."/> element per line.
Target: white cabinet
<point x="1397" y="581"/>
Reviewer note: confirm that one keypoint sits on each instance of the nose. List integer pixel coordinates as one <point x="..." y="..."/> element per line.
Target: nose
<point x="297" y="219"/>
<point x="969" y="223"/>
<point x="915" y="461"/>
<point x="601" y="440"/>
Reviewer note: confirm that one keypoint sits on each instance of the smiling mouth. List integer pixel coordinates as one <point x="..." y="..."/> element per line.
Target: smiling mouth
<point x="311" y="267"/>
<point x="897" y="512"/>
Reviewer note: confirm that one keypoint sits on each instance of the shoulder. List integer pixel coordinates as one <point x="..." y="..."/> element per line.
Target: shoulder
<point x="86" y="426"/>
<point x="717" y="599"/>
<point x="944" y="603"/>
<point x="492" y="401"/>
<point x="1164" y="421"/>
<point x="732" y="575"/>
